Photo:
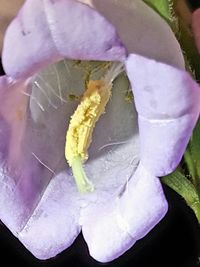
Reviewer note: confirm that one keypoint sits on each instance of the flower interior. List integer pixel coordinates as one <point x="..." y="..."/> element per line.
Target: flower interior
<point x="88" y="112"/>
<point x="91" y="105"/>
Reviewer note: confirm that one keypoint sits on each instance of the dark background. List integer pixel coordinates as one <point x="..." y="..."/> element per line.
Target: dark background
<point x="175" y="241"/>
<point x="194" y="4"/>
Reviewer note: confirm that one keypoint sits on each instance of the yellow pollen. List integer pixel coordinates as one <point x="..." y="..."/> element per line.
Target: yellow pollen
<point x="83" y="120"/>
<point x="82" y="123"/>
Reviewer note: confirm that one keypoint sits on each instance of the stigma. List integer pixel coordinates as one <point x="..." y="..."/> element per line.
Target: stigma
<point x="83" y="121"/>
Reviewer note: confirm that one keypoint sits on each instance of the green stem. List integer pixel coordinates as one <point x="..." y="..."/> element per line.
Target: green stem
<point x="184" y="187"/>
<point x="190" y="165"/>
<point x="196" y="208"/>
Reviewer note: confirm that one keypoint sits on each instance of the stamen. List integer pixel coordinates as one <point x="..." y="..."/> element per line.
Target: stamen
<point x="83" y="121"/>
<point x="51" y="89"/>
<point x="114" y="71"/>
<point x="42" y="163"/>
<point x="113" y="144"/>
<point x="58" y="83"/>
<point x="34" y="99"/>
<point x="83" y="183"/>
<point x="45" y="94"/>
<point x="66" y="66"/>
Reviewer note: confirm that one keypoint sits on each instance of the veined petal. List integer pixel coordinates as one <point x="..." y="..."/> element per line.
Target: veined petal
<point x="13" y="124"/>
<point x="46" y="31"/>
<point x="112" y="229"/>
<point x="168" y="105"/>
<point x="54" y="224"/>
<point x="38" y="203"/>
<point x="141" y="29"/>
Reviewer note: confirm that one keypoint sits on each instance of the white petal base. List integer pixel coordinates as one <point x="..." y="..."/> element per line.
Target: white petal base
<point x="53" y="225"/>
<point x="112" y="229"/>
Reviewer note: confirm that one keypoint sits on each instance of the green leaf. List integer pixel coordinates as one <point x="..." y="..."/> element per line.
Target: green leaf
<point x="184" y="187"/>
<point x="164" y="8"/>
<point x="192" y="157"/>
<point x="195" y="147"/>
<point x="190" y="164"/>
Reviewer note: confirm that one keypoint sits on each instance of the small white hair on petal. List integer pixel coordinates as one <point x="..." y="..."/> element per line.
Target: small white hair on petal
<point x="115" y="70"/>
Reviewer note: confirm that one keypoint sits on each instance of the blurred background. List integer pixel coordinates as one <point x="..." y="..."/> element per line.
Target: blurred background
<point x="174" y="242"/>
<point x="8" y="9"/>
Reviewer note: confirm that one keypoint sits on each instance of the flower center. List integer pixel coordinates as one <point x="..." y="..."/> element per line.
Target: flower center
<point x="79" y="134"/>
<point x="56" y="94"/>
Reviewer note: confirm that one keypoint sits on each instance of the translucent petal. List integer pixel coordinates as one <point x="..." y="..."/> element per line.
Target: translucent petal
<point x="33" y="190"/>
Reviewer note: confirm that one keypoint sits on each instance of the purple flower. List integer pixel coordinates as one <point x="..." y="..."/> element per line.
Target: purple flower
<point x="39" y="200"/>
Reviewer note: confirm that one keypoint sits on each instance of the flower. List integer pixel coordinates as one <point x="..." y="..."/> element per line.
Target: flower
<point x="40" y="204"/>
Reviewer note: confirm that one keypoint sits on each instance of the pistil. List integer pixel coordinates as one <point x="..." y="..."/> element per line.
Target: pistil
<point x="82" y="124"/>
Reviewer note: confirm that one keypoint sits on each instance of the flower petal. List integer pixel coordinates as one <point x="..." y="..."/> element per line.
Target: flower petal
<point x="35" y="184"/>
<point x="46" y="31"/>
<point x="54" y="224"/>
<point x="141" y="29"/>
<point x="167" y="101"/>
<point x="13" y="123"/>
<point x="112" y="229"/>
